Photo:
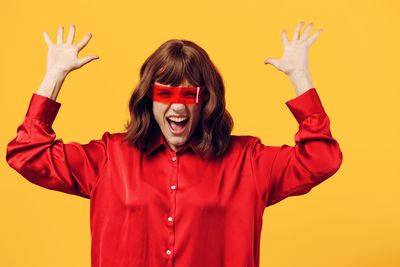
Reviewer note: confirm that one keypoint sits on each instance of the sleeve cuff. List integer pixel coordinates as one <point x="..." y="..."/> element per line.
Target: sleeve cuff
<point x="305" y="104"/>
<point x="43" y="108"/>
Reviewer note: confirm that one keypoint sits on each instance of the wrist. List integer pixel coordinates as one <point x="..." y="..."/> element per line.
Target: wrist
<point x="299" y="74"/>
<point x="301" y="81"/>
<point x="51" y="84"/>
<point x="55" y="74"/>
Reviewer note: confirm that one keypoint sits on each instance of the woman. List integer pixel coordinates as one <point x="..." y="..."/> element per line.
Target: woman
<point x="176" y="189"/>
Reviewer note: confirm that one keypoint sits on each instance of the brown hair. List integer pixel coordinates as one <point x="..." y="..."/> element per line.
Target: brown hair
<point x="175" y="61"/>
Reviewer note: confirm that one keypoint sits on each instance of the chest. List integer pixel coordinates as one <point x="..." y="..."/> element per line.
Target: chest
<point x="171" y="181"/>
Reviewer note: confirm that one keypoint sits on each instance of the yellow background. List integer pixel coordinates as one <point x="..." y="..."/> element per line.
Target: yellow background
<point x="352" y="219"/>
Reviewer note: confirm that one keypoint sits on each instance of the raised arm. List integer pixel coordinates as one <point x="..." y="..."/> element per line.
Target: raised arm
<point x="35" y="152"/>
<point x="282" y="171"/>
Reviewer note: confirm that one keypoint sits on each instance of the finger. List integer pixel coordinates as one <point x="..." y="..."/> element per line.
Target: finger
<point x="84" y="41"/>
<point x="297" y="30"/>
<point x="87" y="59"/>
<point x="313" y="37"/>
<point x="71" y="34"/>
<point x="60" y="35"/>
<point x="272" y="61"/>
<point x="47" y="39"/>
<point x="304" y="36"/>
<point x="284" y="38"/>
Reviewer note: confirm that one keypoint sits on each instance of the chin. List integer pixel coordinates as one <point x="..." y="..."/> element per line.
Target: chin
<point x="177" y="140"/>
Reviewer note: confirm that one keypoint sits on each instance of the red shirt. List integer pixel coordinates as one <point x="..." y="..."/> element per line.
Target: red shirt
<point x="166" y="208"/>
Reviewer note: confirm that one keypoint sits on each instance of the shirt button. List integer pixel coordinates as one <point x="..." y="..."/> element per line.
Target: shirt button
<point x="174" y="158"/>
<point x="170" y="219"/>
<point x="168" y="251"/>
<point x="173" y="187"/>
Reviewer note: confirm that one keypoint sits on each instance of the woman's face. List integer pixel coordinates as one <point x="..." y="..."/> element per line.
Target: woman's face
<point x="176" y="133"/>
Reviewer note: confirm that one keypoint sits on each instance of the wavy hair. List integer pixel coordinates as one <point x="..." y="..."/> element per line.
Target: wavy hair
<point x="175" y="61"/>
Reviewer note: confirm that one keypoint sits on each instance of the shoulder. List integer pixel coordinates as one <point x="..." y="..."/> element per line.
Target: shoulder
<point x="243" y="142"/>
<point x="243" y="139"/>
<point x="241" y="147"/>
<point x="112" y="137"/>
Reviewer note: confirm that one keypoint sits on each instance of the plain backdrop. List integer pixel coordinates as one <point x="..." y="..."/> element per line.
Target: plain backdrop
<point x="351" y="219"/>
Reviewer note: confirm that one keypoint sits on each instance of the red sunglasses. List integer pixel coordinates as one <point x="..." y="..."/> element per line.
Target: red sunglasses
<point x="174" y="94"/>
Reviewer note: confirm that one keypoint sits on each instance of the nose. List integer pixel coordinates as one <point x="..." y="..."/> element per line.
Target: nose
<point x="178" y="106"/>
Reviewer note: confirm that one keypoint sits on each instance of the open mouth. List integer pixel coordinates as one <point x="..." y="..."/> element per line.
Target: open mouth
<point x="177" y="127"/>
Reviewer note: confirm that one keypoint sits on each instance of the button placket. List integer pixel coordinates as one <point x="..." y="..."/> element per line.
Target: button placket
<point x="170" y="219"/>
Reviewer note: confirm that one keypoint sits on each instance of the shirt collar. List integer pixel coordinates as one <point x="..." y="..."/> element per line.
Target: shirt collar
<point x="159" y="140"/>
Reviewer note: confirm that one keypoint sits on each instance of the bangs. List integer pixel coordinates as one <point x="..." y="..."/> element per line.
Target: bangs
<point x="179" y="67"/>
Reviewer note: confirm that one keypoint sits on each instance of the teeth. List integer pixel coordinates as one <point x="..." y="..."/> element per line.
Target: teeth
<point x="176" y="119"/>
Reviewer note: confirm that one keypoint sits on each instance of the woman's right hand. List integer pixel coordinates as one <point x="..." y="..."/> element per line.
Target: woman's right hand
<point x="62" y="57"/>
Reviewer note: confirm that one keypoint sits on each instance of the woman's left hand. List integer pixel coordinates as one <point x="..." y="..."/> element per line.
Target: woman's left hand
<point x="295" y="56"/>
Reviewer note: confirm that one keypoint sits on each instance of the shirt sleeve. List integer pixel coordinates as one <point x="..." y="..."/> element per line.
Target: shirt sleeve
<point x="42" y="159"/>
<point x="283" y="171"/>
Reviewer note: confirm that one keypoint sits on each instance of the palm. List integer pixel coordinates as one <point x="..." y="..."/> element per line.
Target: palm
<point x="64" y="56"/>
<point x="295" y="55"/>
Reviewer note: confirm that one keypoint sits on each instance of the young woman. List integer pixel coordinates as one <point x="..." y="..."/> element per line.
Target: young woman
<point x="176" y="188"/>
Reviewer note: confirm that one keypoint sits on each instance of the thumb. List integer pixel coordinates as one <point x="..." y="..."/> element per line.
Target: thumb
<point x="271" y="61"/>
<point x="87" y="59"/>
